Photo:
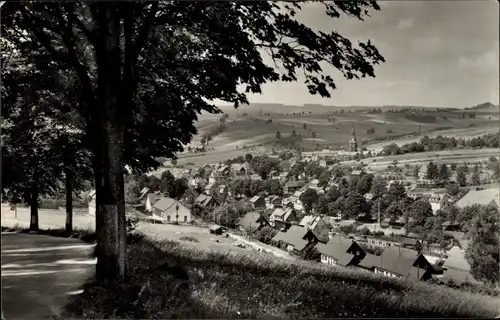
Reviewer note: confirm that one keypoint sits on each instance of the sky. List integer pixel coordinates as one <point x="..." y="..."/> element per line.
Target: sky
<point x="438" y="54"/>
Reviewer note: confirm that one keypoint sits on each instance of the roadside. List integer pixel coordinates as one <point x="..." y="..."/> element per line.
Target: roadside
<point x="40" y="272"/>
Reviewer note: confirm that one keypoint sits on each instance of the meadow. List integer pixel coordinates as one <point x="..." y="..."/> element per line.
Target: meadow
<point x="253" y="127"/>
<point x="170" y="279"/>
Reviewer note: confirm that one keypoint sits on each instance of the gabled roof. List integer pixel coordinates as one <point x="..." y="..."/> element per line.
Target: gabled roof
<point x="294" y="236"/>
<point x="203" y="199"/>
<point x="165" y="203"/>
<point x="337" y="248"/>
<point x="254" y="199"/>
<point x="481" y="197"/>
<point x="396" y="260"/>
<point x="251" y="220"/>
<point x="295" y="184"/>
<point x="153" y="197"/>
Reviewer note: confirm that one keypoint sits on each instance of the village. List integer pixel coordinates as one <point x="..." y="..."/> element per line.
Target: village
<point x="399" y="222"/>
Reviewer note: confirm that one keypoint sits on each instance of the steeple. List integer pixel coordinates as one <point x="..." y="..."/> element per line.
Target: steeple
<point x="353" y="144"/>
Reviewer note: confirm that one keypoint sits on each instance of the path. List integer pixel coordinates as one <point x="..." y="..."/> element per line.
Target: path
<point x="40" y="272"/>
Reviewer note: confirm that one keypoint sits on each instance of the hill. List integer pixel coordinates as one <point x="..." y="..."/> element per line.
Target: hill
<point x="174" y="280"/>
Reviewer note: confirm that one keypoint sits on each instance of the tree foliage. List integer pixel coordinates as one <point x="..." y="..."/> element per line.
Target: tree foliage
<point x="483" y="253"/>
<point x="145" y="70"/>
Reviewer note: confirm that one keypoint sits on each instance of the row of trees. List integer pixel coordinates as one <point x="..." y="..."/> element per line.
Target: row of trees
<point x="441" y="143"/>
<point x="137" y="74"/>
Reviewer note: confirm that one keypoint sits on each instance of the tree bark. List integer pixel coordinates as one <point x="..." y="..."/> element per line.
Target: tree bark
<point x="108" y="150"/>
<point x="69" y="198"/>
<point x="34" y="205"/>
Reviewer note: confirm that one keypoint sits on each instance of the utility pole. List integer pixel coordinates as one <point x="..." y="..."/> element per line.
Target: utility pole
<point x="378" y="213"/>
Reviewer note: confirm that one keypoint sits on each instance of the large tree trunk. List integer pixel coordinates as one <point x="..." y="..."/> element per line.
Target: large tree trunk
<point x="108" y="151"/>
<point x="34" y="206"/>
<point x="69" y="198"/>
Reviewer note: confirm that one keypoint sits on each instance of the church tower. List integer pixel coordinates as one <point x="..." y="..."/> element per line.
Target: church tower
<point x="353" y="144"/>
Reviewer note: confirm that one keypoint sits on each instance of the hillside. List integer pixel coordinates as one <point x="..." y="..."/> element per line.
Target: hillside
<point x="174" y="280"/>
<point x="334" y="130"/>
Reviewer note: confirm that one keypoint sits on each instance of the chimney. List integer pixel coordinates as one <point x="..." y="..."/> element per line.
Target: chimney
<point x="330" y="234"/>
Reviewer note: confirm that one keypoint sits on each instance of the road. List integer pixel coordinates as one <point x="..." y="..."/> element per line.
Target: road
<point x="40" y="272"/>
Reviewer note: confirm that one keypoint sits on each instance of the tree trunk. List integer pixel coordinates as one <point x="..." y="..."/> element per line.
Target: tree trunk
<point x="69" y="198"/>
<point x="34" y="206"/>
<point x="108" y="150"/>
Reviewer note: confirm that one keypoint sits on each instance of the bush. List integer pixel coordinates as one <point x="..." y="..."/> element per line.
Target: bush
<point x="188" y="238"/>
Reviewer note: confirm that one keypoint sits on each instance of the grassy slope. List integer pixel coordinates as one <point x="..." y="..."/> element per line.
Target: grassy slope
<point x="170" y="280"/>
<point x="255" y="129"/>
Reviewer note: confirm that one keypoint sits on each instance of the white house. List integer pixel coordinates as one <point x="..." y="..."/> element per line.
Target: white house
<point x="172" y="211"/>
<point x="437" y="201"/>
<point x="150" y="201"/>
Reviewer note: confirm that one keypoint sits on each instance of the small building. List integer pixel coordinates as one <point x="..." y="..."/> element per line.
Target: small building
<point x="292" y="186"/>
<point x="438" y="201"/>
<point x="274" y="200"/>
<point x="399" y="262"/>
<point x="172" y="211"/>
<point x="258" y="202"/>
<point x="318" y="225"/>
<point x="252" y="221"/>
<point x="255" y="177"/>
<point x="151" y="200"/>
<point x="216" y="229"/>
<point x="282" y="219"/>
<point x="240" y="169"/>
<point x="340" y="251"/>
<point x="295" y="239"/>
<point x="205" y="201"/>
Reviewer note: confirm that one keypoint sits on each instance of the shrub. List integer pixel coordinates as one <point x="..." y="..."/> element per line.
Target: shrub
<point x="188" y="238"/>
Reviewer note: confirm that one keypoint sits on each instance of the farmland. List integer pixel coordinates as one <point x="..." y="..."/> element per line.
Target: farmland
<point x="327" y="127"/>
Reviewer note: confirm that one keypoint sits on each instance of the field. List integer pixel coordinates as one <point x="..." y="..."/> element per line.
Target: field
<point x="252" y="127"/>
<point x="446" y="156"/>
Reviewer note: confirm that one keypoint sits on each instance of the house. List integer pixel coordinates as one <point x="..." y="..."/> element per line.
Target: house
<point x="255" y="177"/>
<point x="275" y="200"/>
<point x="282" y="219"/>
<point x="292" y="186"/>
<point x="437" y="201"/>
<point x="242" y="169"/>
<point x="171" y="211"/>
<point x="481" y="197"/>
<point x="340" y="251"/>
<point x="258" y="202"/>
<point x="252" y="221"/>
<point x="151" y="200"/>
<point x="356" y="173"/>
<point x="222" y="171"/>
<point x="296" y="239"/>
<point x="380" y="243"/>
<point x="456" y="268"/>
<point x="92" y="204"/>
<point x="318" y="225"/>
<point x="216" y="229"/>
<point x="205" y="201"/>
<point x="314" y="183"/>
<point x="399" y="262"/>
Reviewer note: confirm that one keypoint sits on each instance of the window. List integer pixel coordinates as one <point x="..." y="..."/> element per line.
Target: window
<point x="168" y="218"/>
<point x="185" y="218"/>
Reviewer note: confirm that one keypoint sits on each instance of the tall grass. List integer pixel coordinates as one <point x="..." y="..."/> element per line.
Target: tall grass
<point x="173" y="280"/>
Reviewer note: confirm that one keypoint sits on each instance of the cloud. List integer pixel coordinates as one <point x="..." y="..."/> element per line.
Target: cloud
<point x="486" y="62"/>
<point x="405" y="23"/>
